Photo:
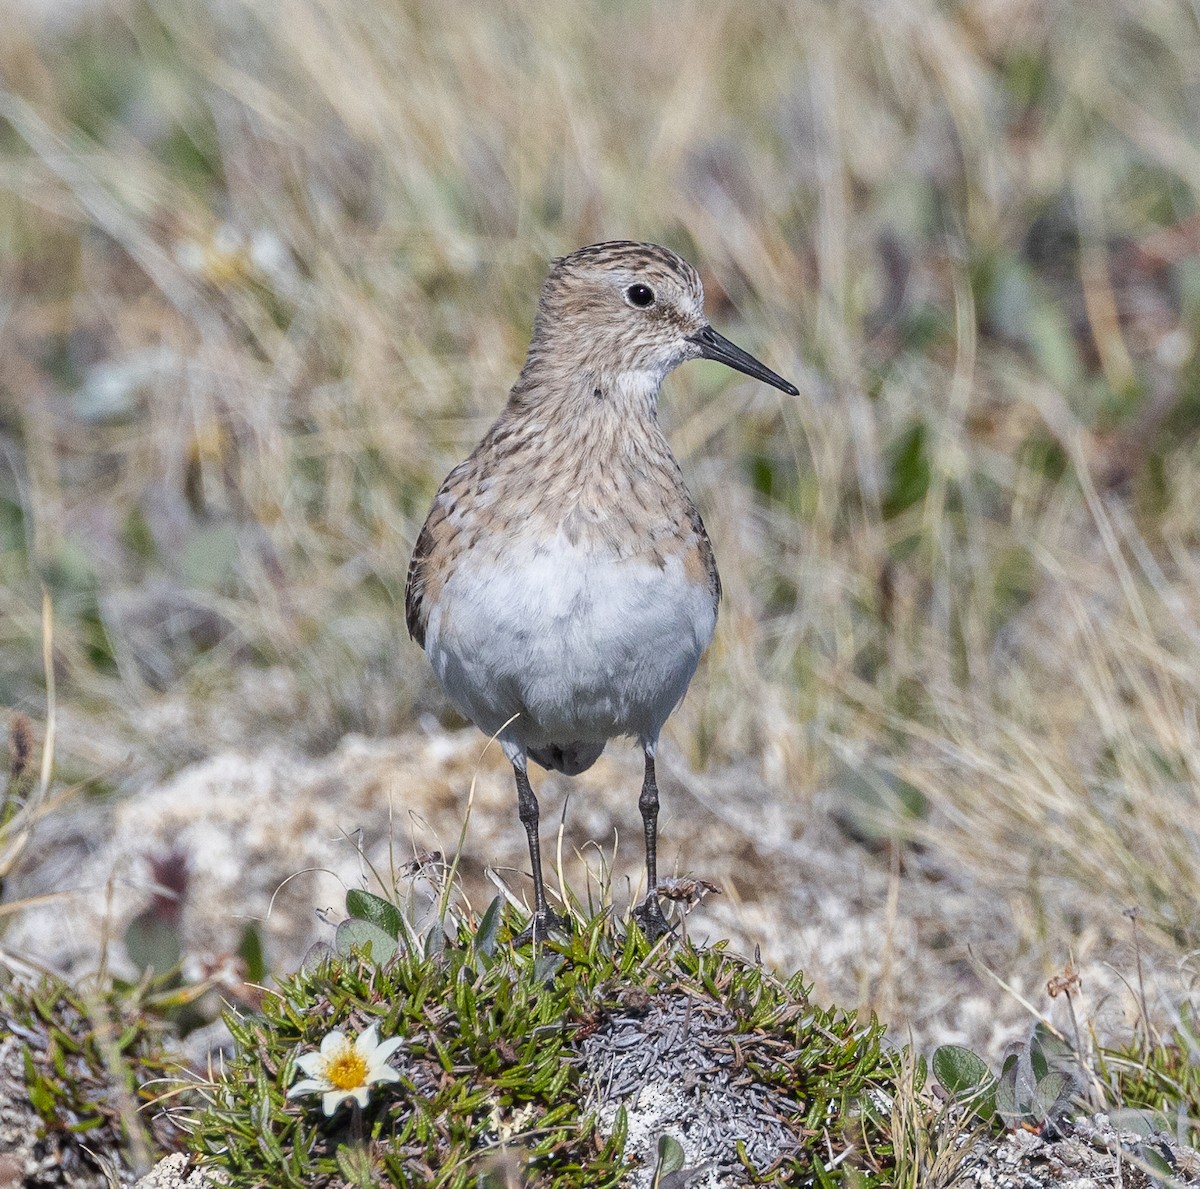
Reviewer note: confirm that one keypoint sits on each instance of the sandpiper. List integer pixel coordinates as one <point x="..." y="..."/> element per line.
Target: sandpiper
<point x="563" y="586"/>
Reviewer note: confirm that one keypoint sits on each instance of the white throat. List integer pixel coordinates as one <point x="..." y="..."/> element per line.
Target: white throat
<point x="639" y="389"/>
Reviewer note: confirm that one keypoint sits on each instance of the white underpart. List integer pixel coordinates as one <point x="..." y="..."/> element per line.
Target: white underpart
<point x="581" y="646"/>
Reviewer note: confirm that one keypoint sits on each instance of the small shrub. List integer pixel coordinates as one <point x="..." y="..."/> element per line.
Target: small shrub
<point x="89" y="1066"/>
<point x="492" y="1059"/>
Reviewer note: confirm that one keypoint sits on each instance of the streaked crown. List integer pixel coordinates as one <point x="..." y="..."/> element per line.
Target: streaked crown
<point x="622" y="258"/>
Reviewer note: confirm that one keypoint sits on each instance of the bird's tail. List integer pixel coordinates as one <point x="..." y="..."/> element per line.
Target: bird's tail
<point x="570" y="758"/>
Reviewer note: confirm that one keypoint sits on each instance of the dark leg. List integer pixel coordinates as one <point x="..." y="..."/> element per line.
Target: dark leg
<point x="649" y="914"/>
<point x="543" y="919"/>
<point x="648" y="804"/>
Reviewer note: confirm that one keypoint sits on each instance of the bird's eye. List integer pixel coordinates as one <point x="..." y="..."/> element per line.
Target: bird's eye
<point x="640" y="296"/>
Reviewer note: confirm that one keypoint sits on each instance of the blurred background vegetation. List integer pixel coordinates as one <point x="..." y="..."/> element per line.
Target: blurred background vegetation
<point x="267" y="271"/>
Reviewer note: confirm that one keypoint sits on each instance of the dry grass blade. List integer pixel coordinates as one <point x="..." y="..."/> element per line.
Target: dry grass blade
<point x="16" y="831"/>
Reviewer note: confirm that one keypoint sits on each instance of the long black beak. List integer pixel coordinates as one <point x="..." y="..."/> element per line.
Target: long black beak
<point x="717" y="347"/>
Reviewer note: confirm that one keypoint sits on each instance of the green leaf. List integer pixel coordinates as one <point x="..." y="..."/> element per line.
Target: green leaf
<point x="41" y="1092"/>
<point x="1037" y="1060"/>
<point x="1156" y="1160"/>
<point x="41" y="1098"/>
<point x="960" y="1071"/>
<point x="485" y="937"/>
<point x="365" y="906"/>
<point x="366" y="937"/>
<point x="670" y="1156"/>
<point x="875" y="805"/>
<point x="1141" y="1122"/>
<point x="909" y="471"/>
<point x="354" y="1163"/>
<point x="1057" y="1051"/>
<point x="251" y="953"/>
<point x="316" y="956"/>
<point x="1053" y="1094"/>
<point x="435" y="940"/>
<point x="1006" y="1091"/>
<point x="82" y="1126"/>
<point x="153" y="942"/>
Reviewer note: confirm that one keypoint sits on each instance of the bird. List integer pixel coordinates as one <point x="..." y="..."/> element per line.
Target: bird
<point x="563" y="585"/>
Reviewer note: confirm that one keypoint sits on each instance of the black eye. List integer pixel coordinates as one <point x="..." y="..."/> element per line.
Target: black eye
<point x="640" y="296"/>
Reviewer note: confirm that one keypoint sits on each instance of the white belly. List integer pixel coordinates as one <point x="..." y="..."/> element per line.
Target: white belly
<point x="580" y="646"/>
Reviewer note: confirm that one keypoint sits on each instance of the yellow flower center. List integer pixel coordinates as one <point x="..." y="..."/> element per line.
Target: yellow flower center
<point x="347" y="1070"/>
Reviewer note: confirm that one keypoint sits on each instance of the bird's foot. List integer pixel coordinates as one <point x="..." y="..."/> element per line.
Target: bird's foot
<point x="649" y="916"/>
<point x="541" y="925"/>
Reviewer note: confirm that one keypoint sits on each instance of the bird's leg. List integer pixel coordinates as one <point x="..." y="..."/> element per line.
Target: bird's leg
<point x="648" y="804"/>
<point x="543" y="918"/>
<point x="649" y="913"/>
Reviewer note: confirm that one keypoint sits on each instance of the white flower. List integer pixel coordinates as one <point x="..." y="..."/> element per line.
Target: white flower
<point x="346" y="1068"/>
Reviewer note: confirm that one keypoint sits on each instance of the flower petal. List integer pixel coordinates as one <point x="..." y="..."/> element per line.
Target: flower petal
<point x="333" y="1099"/>
<point x="312" y="1063"/>
<point x="334" y="1042"/>
<point x="385" y="1073"/>
<point x="385" y="1050"/>
<point x="360" y="1095"/>
<point x="309" y="1086"/>
<point x="366" y="1041"/>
